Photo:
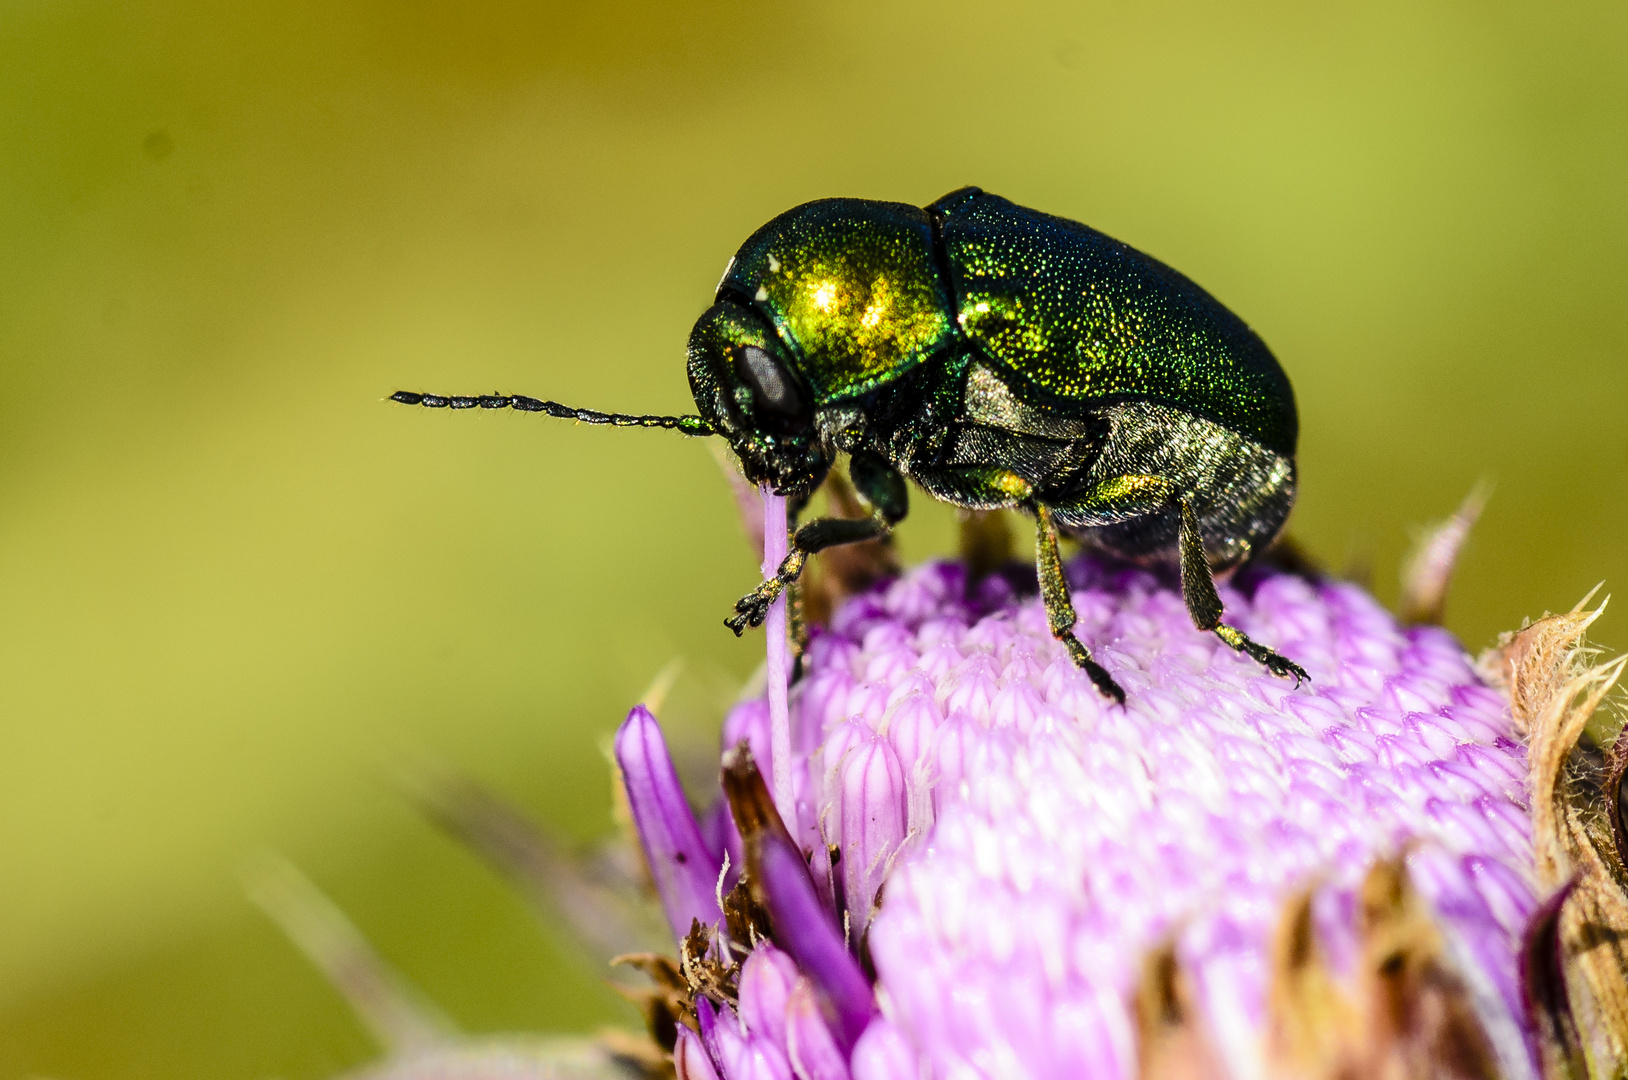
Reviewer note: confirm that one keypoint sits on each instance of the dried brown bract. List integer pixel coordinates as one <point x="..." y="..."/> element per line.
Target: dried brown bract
<point x="709" y="970"/>
<point x="1577" y="966"/>
<point x="1405" y="1015"/>
<point x="1311" y="1023"/>
<point x="666" y="1003"/>
<point x="1173" y="1043"/>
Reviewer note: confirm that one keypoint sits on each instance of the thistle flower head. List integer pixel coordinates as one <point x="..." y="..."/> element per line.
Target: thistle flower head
<point x="991" y="870"/>
<point x="949" y="856"/>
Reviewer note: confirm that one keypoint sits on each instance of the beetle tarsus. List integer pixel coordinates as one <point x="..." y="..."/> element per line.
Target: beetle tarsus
<point x="817" y="535"/>
<point x="1100" y="678"/>
<point x="753" y="608"/>
<point x="1272" y="661"/>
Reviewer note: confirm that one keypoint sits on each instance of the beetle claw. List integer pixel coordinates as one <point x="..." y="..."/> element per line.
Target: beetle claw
<point x="1104" y="682"/>
<point x="1098" y="674"/>
<point x="753" y="608"/>
<point x="1284" y="668"/>
<point x="1281" y="666"/>
<point x="1271" y="660"/>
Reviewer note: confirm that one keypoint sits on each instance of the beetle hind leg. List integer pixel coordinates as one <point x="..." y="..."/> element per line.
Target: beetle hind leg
<point x="1060" y="608"/>
<point x="1204" y="603"/>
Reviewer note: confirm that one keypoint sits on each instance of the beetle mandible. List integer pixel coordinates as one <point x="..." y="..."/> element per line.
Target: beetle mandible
<point x="999" y="357"/>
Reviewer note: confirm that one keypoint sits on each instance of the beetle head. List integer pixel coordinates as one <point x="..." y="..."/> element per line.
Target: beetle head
<point x="748" y="388"/>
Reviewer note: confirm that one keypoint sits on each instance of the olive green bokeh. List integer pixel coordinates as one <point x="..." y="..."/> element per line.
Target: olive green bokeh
<point x="237" y="586"/>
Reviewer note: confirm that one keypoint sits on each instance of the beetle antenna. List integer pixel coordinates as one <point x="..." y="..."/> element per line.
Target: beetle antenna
<point x="689" y="425"/>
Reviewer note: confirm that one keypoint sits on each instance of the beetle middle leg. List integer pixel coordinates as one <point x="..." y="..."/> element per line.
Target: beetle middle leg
<point x="1204" y="603"/>
<point x="880" y="485"/>
<point x="1060" y="607"/>
<point x="1124" y="498"/>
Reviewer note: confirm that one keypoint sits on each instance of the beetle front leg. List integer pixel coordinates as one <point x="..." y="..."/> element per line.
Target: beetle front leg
<point x="1204" y="603"/>
<point x="753" y="608"/>
<point x="1060" y="607"/>
<point x="880" y="485"/>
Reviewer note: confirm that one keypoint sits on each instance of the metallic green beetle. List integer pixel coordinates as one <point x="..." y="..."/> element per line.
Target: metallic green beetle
<point x="998" y="357"/>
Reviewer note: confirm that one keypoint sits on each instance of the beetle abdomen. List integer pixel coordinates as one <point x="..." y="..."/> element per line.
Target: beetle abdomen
<point x="1240" y="491"/>
<point x="1078" y="318"/>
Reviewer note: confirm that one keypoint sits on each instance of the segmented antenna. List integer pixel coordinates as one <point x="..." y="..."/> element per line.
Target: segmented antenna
<point x="689" y="425"/>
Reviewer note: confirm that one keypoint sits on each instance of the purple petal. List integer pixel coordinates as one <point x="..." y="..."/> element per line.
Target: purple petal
<point x="766" y="981"/>
<point x="824" y="698"/>
<point x="814" y="1053"/>
<point x="749" y="721"/>
<point x="804" y="929"/>
<point x="955" y="742"/>
<point x="760" y="1061"/>
<point x="683" y="869"/>
<point x="690" y="1058"/>
<point x="722" y="838"/>
<point x="706" y="1018"/>
<point x="743" y="1056"/>
<point x="842" y="738"/>
<point x="882" y="1054"/>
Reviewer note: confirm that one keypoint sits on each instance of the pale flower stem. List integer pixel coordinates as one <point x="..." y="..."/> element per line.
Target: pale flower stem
<point x="777" y="666"/>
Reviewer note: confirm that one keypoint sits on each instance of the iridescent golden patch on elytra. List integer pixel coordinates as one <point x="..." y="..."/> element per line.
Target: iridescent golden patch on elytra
<point x="858" y="292"/>
<point x="860" y="318"/>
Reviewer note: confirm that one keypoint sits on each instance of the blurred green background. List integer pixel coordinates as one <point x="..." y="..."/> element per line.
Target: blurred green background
<point x="235" y="584"/>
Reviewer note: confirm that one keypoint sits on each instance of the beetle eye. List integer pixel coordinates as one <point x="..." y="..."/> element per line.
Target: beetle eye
<point x="770" y="382"/>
